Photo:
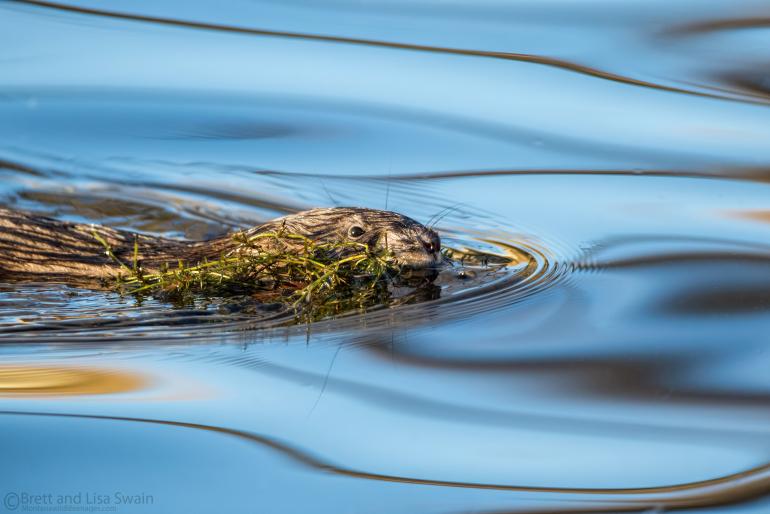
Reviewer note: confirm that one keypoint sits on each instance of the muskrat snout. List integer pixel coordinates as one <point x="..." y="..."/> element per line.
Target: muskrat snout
<point x="418" y="248"/>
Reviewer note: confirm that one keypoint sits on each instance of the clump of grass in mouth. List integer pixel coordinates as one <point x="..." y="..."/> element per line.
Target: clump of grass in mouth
<point x="297" y="271"/>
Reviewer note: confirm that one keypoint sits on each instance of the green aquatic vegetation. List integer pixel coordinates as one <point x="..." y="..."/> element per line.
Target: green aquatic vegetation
<point x="316" y="279"/>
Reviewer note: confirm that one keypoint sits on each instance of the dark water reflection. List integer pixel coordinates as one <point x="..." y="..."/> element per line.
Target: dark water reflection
<point x="615" y="154"/>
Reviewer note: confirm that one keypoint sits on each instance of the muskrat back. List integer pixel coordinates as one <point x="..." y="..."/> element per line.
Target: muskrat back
<point x="38" y="248"/>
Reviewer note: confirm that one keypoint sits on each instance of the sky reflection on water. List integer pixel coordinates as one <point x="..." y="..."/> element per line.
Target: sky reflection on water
<point x="623" y="148"/>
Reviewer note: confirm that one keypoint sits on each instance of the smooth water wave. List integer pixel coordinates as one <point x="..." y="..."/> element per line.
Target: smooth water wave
<point x="599" y="171"/>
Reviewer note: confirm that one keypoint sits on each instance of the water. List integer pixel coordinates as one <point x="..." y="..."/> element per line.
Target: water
<point x="618" y="152"/>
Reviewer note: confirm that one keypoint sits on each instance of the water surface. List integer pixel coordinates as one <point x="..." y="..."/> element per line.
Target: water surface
<point x="616" y="152"/>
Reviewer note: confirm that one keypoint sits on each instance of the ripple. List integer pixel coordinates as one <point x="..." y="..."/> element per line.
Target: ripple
<point x="732" y="488"/>
<point x="498" y="271"/>
<point x="511" y="56"/>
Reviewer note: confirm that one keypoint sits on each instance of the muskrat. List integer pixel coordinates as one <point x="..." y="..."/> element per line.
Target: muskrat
<point x="44" y="249"/>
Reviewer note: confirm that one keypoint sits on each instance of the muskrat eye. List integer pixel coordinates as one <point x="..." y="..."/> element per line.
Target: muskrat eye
<point x="356" y="231"/>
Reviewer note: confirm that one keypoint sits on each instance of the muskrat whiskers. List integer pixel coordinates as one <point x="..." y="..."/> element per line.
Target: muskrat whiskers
<point x="440" y="215"/>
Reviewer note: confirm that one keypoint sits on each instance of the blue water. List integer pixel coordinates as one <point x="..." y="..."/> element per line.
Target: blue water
<point x="616" y="151"/>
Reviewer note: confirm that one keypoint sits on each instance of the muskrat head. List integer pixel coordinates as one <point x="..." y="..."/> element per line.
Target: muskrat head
<point x="412" y="244"/>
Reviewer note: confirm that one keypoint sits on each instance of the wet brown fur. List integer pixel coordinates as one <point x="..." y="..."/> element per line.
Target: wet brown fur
<point x="44" y="249"/>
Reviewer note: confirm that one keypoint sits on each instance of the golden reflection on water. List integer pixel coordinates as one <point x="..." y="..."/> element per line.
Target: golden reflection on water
<point x="755" y="215"/>
<point x="65" y="381"/>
